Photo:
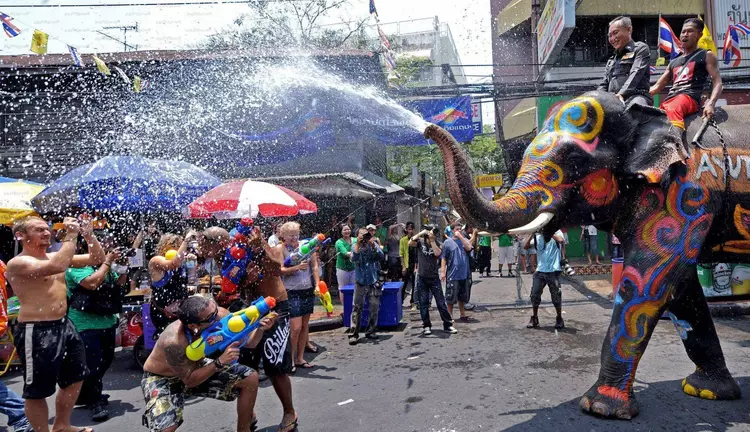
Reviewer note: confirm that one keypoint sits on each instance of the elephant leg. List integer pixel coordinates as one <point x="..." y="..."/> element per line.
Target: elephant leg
<point x="692" y="319"/>
<point x="662" y="242"/>
<point x="634" y="318"/>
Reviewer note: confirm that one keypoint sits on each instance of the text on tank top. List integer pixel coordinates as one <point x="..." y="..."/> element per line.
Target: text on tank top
<point x="689" y="75"/>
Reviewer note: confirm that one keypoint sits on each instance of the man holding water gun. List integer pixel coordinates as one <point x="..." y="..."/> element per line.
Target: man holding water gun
<point x="263" y="278"/>
<point x="170" y="376"/>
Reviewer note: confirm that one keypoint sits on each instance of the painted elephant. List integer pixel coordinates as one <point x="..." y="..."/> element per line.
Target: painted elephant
<point x="598" y="162"/>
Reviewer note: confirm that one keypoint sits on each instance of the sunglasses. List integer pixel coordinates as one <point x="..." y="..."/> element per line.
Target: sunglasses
<point x="211" y="318"/>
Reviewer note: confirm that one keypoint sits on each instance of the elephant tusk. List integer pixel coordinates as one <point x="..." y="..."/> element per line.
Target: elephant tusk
<point x="535" y="225"/>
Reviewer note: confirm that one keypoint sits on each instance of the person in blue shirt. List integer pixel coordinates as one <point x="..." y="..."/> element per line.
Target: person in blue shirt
<point x="455" y="270"/>
<point x="548" y="271"/>
<point x="366" y="256"/>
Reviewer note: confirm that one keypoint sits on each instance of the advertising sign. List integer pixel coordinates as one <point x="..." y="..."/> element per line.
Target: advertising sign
<point x="488" y="180"/>
<point x="554" y="28"/>
<point x="724" y="279"/>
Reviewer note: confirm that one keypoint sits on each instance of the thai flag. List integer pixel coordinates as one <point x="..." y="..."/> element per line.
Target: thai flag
<point x="10" y="29"/>
<point x="732" y="46"/>
<point x="76" y="56"/>
<point x="652" y="70"/>
<point x="742" y="29"/>
<point x="668" y="42"/>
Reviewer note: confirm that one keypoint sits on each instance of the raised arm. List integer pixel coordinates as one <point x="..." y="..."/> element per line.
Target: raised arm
<point x="96" y="253"/>
<point x="27" y="267"/>
<point x="95" y="280"/>
<point x="163" y="264"/>
<point x="712" y="66"/>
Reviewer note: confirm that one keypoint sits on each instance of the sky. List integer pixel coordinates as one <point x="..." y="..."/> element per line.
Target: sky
<point x="182" y="27"/>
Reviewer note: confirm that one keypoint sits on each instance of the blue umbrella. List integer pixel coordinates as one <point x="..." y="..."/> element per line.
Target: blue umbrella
<point x="127" y="183"/>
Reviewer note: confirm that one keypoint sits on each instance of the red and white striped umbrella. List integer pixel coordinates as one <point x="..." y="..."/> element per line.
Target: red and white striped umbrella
<point x="249" y="198"/>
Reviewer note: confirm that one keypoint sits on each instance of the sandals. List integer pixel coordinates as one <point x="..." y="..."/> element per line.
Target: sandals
<point x="290" y="427"/>
<point x="254" y="423"/>
<point x="306" y="365"/>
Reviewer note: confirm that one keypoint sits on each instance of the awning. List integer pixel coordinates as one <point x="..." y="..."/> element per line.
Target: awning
<point x="516" y="12"/>
<point x="342" y="184"/>
<point x="521" y="120"/>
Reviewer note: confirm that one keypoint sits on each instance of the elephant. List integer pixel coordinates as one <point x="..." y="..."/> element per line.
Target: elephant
<point x="598" y="162"/>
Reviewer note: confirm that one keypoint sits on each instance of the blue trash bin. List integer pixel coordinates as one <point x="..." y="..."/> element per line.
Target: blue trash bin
<point x="390" y="312"/>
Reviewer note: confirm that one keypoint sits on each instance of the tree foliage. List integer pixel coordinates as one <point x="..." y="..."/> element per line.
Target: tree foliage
<point x="485" y="156"/>
<point x="409" y="70"/>
<point x="292" y="24"/>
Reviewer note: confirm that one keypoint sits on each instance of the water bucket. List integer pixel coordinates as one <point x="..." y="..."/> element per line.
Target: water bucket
<point x="617" y="264"/>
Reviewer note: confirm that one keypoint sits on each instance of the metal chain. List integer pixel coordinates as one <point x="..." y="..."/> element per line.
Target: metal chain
<point x="725" y="202"/>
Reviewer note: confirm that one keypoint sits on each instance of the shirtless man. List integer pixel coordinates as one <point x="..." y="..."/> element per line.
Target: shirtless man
<point x="169" y="376"/>
<point x="48" y="344"/>
<point x="275" y="348"/>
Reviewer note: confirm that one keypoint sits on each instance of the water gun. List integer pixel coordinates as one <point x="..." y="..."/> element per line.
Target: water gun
<point x="304" y="251"/>
<point x="230" y="329"/>
<point x="237" y="257"/>
<point x="325" y="297"/>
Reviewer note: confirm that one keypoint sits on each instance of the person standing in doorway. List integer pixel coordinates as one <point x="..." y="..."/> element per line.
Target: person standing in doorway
<point x="590" y="238"/>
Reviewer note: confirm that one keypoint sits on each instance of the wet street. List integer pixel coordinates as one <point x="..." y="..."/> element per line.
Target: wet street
<point x="494" y="375"/>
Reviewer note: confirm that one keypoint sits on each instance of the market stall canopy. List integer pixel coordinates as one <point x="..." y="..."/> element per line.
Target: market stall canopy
<point x="15" y="199"/>
<point x="127" y="183"/>
<point x="339" y="184"/>
<point x="240" y="199"/>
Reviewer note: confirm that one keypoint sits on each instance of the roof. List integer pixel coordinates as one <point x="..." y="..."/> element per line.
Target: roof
<point x="47" y="60"/>
<point x="311" y="184"/>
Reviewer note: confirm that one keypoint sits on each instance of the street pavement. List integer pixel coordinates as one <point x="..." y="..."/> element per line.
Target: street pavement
<point x="493" y="375"/>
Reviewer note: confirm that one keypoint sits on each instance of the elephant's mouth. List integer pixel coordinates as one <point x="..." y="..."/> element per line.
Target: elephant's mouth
<point x="536" y="225"/>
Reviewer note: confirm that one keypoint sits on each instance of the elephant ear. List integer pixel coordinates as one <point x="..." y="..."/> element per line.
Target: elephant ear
<point x="655" y="145"/>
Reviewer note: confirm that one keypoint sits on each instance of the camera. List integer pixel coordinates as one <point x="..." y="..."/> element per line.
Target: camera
<point x="434" y="228"/>
<point x="127" y="252"/>
<point x="366" y="237"/>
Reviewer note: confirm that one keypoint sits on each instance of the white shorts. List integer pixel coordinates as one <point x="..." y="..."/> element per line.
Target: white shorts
<point x="505" y="255"/>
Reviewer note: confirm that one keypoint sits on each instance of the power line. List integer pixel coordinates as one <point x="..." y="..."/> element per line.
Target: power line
<point x="183" y="3"/>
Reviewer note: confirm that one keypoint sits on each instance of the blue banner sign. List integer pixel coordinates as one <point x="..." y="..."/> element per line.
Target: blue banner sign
<point x="453" y="115"/>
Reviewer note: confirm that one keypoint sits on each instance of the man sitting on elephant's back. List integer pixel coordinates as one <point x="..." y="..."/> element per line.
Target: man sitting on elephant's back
<point x="688" y="74"/>
<point x="627" y="73"/>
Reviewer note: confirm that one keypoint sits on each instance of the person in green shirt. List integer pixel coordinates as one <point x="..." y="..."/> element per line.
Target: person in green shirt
<point x="408" y="258"/>
<point x="381" y="233"/>
<point x="505" y="254"/>
<point x="344" y="263"/>
<point x="485" y="254"/>
<point x="95" y="298"/>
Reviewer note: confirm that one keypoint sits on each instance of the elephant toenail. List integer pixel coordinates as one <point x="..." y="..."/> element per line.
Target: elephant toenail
<point x="707" y="394"/>
<point x="622" y="413"/>
<point x="600" y="408"/>
<point x="585" y="404"/>
<point x="689" y="389"/>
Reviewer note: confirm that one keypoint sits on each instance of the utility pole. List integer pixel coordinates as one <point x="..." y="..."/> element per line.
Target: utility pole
<point x="124" y="30"/>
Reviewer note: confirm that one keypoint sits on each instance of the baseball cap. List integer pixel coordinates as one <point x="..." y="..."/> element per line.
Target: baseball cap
<point x="371" y="226"/>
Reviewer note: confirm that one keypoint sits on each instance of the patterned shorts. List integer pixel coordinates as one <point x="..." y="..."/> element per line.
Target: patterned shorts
<point x="165" y="396"/>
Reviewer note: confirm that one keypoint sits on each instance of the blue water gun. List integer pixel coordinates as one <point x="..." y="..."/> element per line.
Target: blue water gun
<point x="237" y="257"/>
<point x="304" y="251"/>
<point x="230" y="329"/>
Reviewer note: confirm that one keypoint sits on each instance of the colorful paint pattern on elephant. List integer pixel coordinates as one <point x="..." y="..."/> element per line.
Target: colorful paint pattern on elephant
<point x="670" y="240"/>
<point x="742" y="224"/>
<point x="540" y="182"/>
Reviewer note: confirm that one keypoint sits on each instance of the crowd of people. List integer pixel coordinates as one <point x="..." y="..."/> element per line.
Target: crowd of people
<point x="70" y="282"/>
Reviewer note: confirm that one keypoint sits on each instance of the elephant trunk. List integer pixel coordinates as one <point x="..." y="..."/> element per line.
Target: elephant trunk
<point x="510" y="211"/>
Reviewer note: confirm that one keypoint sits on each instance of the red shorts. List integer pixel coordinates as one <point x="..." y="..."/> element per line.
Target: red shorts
<point x="679" y="107"/>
